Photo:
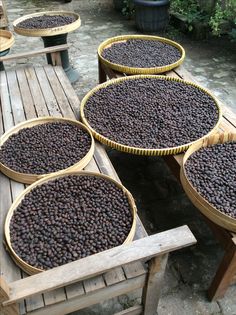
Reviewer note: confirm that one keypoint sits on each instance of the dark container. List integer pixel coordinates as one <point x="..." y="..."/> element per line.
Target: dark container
<point x="151" y="16"/>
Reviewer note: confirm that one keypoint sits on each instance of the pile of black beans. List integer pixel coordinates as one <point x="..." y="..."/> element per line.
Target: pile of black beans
<point x="151" y="113"/>
<point x="46" y="21"/>
<point x="142" y="53"/>
<point x="69" y="218"/>
<point x="212" y="171"/>
<point x="45" y="148"/>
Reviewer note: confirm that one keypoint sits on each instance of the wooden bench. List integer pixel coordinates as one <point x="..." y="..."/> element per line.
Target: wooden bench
<point x="30" y="92"/>
<point x="226" y="273"/>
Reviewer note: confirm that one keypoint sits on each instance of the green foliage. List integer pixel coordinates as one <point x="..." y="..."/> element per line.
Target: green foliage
<point x="223" y="11"/>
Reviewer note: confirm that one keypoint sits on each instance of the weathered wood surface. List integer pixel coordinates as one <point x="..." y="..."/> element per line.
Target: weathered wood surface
<point x="91" y="266"/>
<point x="226" y="273"/>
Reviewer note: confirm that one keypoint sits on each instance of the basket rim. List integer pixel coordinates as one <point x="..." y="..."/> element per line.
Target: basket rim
<point x="31" y="269"/>
<point x="138" y="150"/>
<point x="43" y="119"/>
<point x="137" y="70"/>
<point x="220" y="138"/>
<point x="9" y="43"/>
<point x="54" y="30"/>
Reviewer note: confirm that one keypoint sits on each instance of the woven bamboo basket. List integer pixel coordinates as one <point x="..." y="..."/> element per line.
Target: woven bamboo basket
<point x="201" y="203"/>
<point x="31" y="178"/>
<point x="6" y="40"/>
<point x="136" y="150"/>
<point x="132" y="70"/>
<point x="32" y="270"/>
<point x="47" y="31"/>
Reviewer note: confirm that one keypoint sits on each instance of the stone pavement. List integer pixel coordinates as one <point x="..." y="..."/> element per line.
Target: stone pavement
<point x="161" y="201"/>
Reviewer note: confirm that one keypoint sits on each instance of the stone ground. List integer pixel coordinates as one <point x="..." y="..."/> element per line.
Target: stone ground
<point x="161" y="201"/>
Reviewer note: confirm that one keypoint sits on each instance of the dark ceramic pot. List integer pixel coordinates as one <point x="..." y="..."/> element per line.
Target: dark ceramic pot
<point x="151" y="16"/>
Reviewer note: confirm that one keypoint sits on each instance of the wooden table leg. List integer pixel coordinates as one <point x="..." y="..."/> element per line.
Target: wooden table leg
<point x="152" y="289"/>
<point x="101" y="73"/>
<point x="4" y="295"/>
<point x="225" y="274"/>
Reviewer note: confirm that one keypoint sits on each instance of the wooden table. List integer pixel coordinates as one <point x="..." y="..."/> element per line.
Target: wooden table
<point x="226" y="273"/>
<point x="30" y="92"/>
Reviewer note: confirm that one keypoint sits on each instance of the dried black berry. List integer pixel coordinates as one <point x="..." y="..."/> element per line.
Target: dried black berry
<point x="151" y="113"/>
<point x="142" y="53"/>
<point x="45" y="148"/>
<point x="212" y="171"/>
<point x="46" y="21"/>
<point x="69" y="218"/>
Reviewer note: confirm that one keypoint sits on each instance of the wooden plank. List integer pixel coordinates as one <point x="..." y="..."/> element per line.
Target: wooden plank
<point x="34" y="53"/>
<point x="91" y="266"/>
<point x="58" y="92"/>
<point x="68" y="90"/>
<point x="47" y="92"/>
<point x="37" y="95"/>
<point x="94" y="284"/>
<point x="5" y="102"/>
<point x="35" y="302"/>
<point x="92" y="298"/>
<point x="26" y="96"/>
<point x="74" y="290"/>
<point x="54" y="296"/>
<point x="134" y="269"/>
<point x="114" y="276"/>
<point x="134" y="310"/>
<point x="152" y="289"/>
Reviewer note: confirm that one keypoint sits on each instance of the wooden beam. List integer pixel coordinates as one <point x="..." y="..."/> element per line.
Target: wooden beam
<point x="47" y="50"/>
<point x="4" y="295"/>
<point x="134" y="310"/>
<point x="152" y="289"/>
<point x="91" y="266"/>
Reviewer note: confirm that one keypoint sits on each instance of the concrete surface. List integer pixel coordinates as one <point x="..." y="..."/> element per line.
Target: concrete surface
<point x="161" y="201"/>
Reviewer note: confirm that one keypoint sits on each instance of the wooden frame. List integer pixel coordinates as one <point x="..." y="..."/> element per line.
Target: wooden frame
<point x="29" y="92"/>
<point x="226" y="272"/>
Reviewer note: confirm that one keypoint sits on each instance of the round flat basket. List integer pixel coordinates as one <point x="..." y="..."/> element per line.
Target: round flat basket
<point x="201" y="203"/>
<point x="33" y="270"/>
<point x="133" y="70"/>
<point x="6" y="40"/>
<point x="27" y="178"/>
<point x="141" y="150"/>
<point x="47" y="31"/>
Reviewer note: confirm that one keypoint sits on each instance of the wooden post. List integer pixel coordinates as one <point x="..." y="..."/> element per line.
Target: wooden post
<point x="4" y="295"/>
<point x="152" y="289"/>
<point x="101" y="73"/>
<point x="56" y="58"/>
<point x="225" y="273"/>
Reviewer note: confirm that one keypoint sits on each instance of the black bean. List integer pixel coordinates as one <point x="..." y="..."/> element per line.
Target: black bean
<point x="212" y="171"/>
<point x="142" y="53"/>
<point x="151" y="113"/>
<point x="45" y="148"/>
<point x="50" y="239"/>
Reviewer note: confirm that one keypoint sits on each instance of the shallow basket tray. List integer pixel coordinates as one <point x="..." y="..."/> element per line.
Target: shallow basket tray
<point x="28" y="178"/>
<point x="201" y="203"/>
<point x="47" y="31"/>
<point x="33" y="270"/>
<point x="136" y="150"/>
<point x="133" y="70"/>
<point x="6" y="40"/>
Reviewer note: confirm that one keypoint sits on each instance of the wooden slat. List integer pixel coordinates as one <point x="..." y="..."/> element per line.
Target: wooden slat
<point x="94" y="284"/>
<point x="134" y="310"/>
<point x="34" y="53"/>
<point x="91" y="266"/>
<point x="26" y="94"/>
<point x="92" y="298"/>
<point x="37" y="95"/>
<point x="47" y="92"/>
<point x="54" y="296"/>
<point x="58" y="92"/>
<point x="134" y="269"/>
<point x="74" y="290"/>
<point x="5" y="102"/>
<point x="35" y="302"/>
<point x="114" y="276"/>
